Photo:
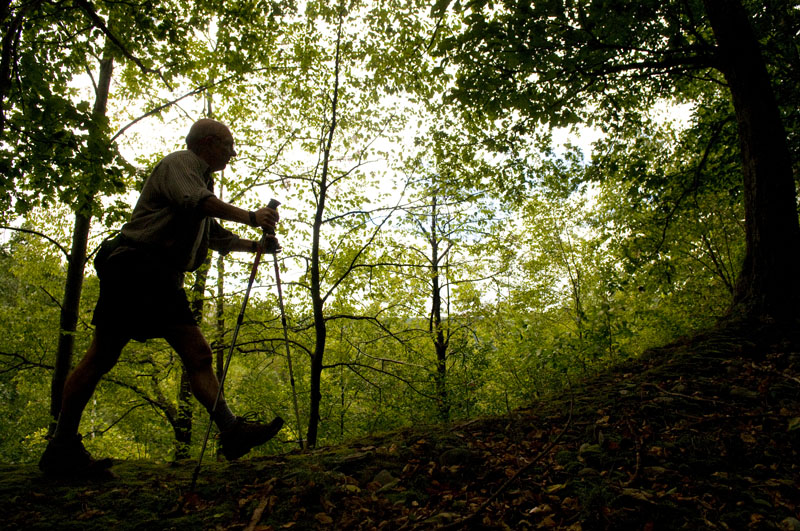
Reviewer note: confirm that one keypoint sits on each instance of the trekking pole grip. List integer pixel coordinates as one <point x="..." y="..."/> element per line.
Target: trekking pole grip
<point x="273" y="204"/>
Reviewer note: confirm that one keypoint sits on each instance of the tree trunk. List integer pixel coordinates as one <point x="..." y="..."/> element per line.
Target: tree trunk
<point x="70" y="306"/>
<point x="317" y="301"/>
<point x="220" y="314"/>
<point x="768" y="288"/>
<point x="184" y="417"/>
<point x="182" y="426"/>
<point x="320" y="326"/>
<point x="436" y="327"/>
<point x="316" y="389"/>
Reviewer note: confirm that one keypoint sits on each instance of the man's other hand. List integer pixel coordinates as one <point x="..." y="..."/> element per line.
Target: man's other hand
<point x="269" y="244"/>
<point x="267" y="218"/>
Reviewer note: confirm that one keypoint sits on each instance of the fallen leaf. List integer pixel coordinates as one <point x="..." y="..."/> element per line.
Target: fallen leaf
<point x="91" y="513"/>
<point x="636" y="494"/>
<point x="323" y="518"/>
<point x="747" y="438"/>
<point x="547" y="521"/>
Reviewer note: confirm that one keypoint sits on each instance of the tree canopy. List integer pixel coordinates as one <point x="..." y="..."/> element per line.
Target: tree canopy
<point x="561" y="63"/>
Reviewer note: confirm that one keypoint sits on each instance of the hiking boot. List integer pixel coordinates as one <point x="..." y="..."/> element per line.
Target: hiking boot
<point x="69" y="458"/>
<point x="245" y="435"/>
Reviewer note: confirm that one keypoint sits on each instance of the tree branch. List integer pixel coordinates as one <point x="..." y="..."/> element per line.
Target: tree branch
<point x="24" y="363"/>
<point x="97" y="20"/>
<point x="351" y="366"/>
<point x="37" y="233"/>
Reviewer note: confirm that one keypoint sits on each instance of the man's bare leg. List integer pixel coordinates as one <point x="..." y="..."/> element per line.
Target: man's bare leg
<point x="195" y="352"/>
<point x="237" y="435"/>
<point x="81" y="383"/>
<point x="65" y="455"/>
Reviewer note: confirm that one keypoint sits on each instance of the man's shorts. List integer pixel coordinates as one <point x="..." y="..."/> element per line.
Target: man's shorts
<point x="140" y="296"/>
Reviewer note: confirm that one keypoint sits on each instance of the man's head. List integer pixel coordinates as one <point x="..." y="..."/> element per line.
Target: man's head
<point x="211" y="141"/>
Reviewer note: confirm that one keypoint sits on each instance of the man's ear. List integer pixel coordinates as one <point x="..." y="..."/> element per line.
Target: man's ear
<point x="201" y="145"/>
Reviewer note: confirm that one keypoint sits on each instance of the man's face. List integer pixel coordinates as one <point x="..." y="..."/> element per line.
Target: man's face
<point x="219" y="149"/>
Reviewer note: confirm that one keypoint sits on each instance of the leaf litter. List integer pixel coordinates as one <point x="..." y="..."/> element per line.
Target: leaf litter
<point x="697" y="435"/>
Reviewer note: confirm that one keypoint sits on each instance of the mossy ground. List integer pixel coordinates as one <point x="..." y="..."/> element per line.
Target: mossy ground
<point x="700" y="435"/>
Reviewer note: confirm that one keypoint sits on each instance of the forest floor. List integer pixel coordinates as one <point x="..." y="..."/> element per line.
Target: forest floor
<point x="698" y="435"/>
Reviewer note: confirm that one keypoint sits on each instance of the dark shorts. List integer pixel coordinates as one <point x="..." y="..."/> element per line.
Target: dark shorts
<point x="140" y="297"/>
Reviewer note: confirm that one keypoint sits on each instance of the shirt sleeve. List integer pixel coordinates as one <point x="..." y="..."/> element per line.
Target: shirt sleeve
<point x="221" y="239"/>
<point x="182" y="183"/>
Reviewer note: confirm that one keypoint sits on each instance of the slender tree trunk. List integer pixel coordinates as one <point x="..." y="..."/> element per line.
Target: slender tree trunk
<point x="342" y="399"/>
<point x="184" y="417"/>
<point x="11" y="28"/>
<point x="320" y="326"/>
<point x="321" y="332"/>
<point x="768" y="287"/>
<point x="70" y="306"/>
<point x="317" y="301"/>
<point x="220" y="315"/>
<point x="436" y="326"/>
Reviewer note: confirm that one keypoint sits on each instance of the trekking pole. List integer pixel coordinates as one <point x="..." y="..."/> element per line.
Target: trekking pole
<point x="272" y="204"/>
<point x="288" y="354"/>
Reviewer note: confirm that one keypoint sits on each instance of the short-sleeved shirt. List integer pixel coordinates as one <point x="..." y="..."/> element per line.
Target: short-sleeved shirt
<point x="167" y="219"/>
<point x="141" y="285"/>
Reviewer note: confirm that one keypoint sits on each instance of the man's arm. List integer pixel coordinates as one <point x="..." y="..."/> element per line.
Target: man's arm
<point x="265" y="218"/>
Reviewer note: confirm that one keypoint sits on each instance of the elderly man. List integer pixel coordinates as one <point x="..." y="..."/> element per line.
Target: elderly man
<point x="141" y="293"/>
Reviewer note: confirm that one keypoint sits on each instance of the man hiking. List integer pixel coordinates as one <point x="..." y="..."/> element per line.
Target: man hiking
<point x="141" y="293"/>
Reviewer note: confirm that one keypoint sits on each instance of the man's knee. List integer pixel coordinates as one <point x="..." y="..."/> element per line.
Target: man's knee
<point x="198" y="360"/>
<point x="103" y="353"/>
<point x="192" y="347"/>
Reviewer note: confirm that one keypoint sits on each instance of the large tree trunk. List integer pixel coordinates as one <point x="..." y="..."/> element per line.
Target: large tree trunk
<point x="77" y="259"/>
<point x="769" y="287"/>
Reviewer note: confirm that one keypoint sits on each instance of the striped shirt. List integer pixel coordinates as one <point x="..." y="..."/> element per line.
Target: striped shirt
<point x="167" y="219"/>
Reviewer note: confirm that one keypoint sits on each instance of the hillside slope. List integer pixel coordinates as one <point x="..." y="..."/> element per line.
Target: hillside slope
<point x="702" y="435"/>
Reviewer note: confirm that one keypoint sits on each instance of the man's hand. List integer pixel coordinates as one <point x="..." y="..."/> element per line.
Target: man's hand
<point x="269" y="244"/>
<point x="266" y="218"/>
